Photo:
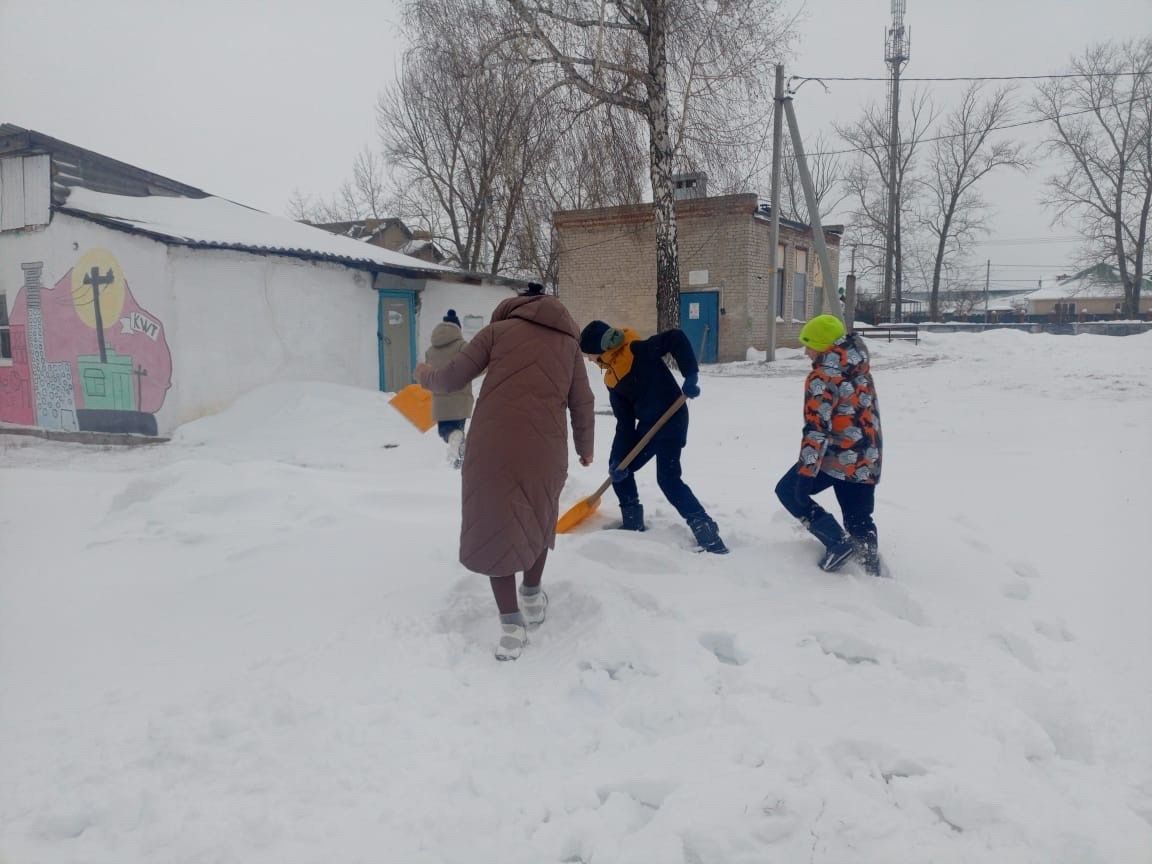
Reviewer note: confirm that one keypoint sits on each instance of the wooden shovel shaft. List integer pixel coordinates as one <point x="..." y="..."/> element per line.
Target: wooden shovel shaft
<point x="639" y="448"/>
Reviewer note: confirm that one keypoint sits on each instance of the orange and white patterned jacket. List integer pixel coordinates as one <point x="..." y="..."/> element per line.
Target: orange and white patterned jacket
<point x="842" y="415"/>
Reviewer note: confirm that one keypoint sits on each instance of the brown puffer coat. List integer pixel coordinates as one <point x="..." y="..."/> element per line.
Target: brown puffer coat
<point x="517" y="456"/>
<point x="447" y="342"/>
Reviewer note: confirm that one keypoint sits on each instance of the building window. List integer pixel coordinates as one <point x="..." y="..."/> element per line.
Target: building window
<point x="800" y="286"/>
<point x="780" y="284"/>
<point x="5" y="329"/>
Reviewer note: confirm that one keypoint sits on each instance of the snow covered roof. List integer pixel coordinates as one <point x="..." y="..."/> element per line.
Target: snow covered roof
<point x="1006" y="303"/>
<point x="222" y="224"/>
<point x="1100" y="281"/>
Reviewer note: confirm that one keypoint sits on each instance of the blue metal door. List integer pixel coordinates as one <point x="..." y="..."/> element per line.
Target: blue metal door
<point x="700" y="320"/>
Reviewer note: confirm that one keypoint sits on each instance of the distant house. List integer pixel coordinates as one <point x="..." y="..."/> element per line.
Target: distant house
<point x="422" y="247"/>
<point x="389" y="234"/>
<point x="132" y="303"/>
<point x="1096" y="291"/>
<point x="607" y="269"/>
<point x="385" y="233"/>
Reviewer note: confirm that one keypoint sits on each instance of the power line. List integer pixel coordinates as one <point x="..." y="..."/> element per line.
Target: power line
<point x="967" y="77"/>
<point x="990" y="128"/>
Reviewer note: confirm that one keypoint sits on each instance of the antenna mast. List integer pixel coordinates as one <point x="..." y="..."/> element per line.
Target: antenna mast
<point x="897" y="49"/>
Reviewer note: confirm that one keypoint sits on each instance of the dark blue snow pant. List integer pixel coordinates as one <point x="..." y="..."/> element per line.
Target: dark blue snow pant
<point x="668" y="473"/>
<point x="446" y="427"/>
<point x="857" y="501"/>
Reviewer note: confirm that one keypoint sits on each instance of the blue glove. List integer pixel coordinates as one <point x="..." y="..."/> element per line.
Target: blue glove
<point x="618" y="474"/>
<point x="691" y="388"/>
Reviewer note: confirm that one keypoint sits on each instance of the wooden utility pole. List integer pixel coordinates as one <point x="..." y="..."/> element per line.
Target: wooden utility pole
<point x="774" y="235"/>
<point x="850" y="294"/>
<point x="831" y="301"/>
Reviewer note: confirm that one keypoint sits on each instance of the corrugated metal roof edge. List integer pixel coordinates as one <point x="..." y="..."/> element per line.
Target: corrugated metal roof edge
<point x="303" y="254"/>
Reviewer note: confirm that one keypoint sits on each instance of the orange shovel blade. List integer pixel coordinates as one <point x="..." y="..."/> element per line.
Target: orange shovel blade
<point x="415" y="403"/>
<point x="580" y="511"/>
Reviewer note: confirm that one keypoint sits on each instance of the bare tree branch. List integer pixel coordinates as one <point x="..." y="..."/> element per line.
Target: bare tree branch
<point x="1106" y="182"/>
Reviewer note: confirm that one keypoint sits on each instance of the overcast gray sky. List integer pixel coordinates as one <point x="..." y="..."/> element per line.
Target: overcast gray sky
<point x="251" y="99"/>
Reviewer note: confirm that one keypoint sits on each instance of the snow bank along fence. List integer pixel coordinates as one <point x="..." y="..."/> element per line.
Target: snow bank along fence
<point x="891" y="331"/>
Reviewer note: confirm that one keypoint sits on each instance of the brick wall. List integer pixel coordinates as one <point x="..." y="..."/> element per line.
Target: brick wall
<point x="788" y="329"/>
<point x="608" y="266"/>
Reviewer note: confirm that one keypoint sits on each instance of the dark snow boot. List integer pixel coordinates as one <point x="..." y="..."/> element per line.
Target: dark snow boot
<point x="868" y="553"/>
<point x="707" y="534"/>
<point x="838" y="546"/>
<point x="633" y="517"/>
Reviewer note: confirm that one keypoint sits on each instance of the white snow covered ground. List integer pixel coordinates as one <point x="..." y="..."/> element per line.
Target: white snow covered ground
<point x="254" y="644"/>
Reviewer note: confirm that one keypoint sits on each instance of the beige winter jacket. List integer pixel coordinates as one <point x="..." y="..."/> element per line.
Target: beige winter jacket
<point x="447" y="342"/>
<point x="517" y="457"/>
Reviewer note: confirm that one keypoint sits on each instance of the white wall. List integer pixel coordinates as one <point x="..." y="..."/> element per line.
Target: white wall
<point x="468" y="300"/>
<point x="232" y="320"/>
<point x="247" y="320"/>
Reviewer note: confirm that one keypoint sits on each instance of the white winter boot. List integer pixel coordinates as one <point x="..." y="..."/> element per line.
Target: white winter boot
<point x="534" y="606"/>
<point x="513" y="637"/>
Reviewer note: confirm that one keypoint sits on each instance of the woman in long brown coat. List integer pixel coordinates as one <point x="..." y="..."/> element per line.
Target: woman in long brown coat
<point x="517" y="456"/>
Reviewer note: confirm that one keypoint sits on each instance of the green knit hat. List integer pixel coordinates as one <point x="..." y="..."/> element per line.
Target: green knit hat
<point x="821" y="332"/>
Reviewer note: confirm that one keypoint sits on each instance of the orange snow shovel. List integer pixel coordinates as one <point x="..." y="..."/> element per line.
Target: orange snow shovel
<point x="583" y="509"/>
<point x="415" y="403"/>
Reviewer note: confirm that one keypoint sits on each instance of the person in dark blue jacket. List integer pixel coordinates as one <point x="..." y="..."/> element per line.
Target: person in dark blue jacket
<point x="641" y="388"/>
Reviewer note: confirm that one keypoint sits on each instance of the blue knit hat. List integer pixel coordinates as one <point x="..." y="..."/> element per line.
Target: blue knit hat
<point x="451" y="317"/>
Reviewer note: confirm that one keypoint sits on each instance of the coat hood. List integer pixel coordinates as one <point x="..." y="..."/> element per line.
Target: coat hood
<point x="847" y="357"/>
<point x="540" y="309"/>
<point x="445" y="334"/>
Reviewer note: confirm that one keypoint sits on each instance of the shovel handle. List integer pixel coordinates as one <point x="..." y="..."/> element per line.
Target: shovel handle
<point x="639" y="448"/>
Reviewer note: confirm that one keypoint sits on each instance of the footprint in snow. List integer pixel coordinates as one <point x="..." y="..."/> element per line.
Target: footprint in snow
<point x="1018" y="649"/>
<point x="622" y="551"/>
<point x="893" y="598"/>
<point x="850" y="649"/>
<point x="1024" y="569"/>
<point x="1018" y="590"/>
<point x="723" y="646"/>
<point x="1056" y="630"/>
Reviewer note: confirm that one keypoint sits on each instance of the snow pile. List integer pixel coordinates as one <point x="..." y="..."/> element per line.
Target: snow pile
<point x="254" y="644"/>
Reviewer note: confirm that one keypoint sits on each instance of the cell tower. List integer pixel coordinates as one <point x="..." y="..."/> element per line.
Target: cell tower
<point x="897" y="50"/>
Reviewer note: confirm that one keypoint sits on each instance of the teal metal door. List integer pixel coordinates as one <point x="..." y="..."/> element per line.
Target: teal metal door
<point x="700" y="321"/>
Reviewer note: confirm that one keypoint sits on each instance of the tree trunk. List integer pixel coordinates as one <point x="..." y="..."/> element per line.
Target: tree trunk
<point x="663" y="199"/>
<point x="934" y="298"/>
<point x="897" y="313"/>
<point x="1133" y="297"/>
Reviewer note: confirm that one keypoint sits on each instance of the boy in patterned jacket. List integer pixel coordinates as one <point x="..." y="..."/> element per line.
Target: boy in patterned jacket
<point x="841" y="447"/>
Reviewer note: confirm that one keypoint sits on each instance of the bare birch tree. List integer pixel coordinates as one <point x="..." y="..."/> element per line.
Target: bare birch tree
<point x="678" y="65"/>
<point x="1101" y="130"/>
<point x="962" y="155"/>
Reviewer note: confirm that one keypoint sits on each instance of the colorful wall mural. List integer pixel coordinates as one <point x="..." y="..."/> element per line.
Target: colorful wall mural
<point x="85" y="355"/>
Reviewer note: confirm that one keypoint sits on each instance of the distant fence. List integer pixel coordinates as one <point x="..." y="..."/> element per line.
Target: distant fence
<point x="1068" y="328"/>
